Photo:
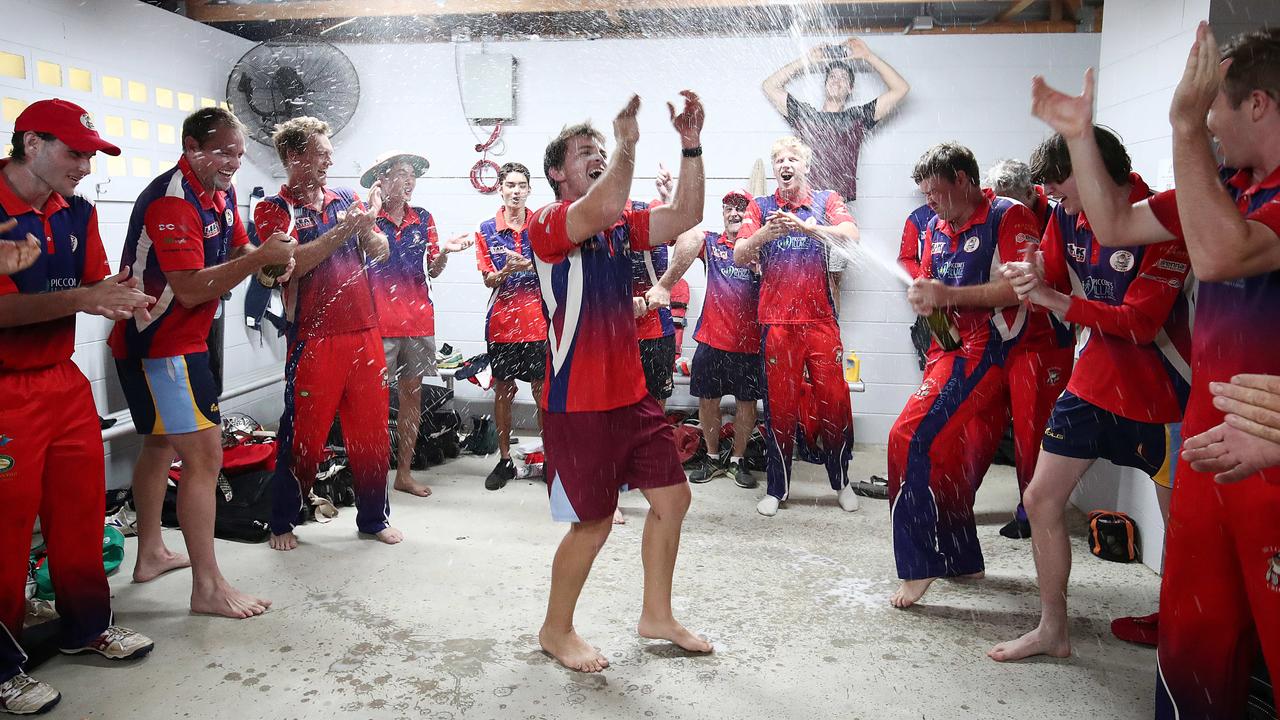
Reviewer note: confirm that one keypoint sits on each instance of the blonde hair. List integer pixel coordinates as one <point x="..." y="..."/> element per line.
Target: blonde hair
<point x="791" y="143"/>
<point x="292" y="136"/>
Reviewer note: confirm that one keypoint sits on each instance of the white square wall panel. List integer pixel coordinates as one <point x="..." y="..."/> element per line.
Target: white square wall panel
<point x="488" y="86"/>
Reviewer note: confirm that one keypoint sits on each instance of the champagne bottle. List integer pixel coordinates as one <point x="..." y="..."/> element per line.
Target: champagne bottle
<point x="943" y="330"/>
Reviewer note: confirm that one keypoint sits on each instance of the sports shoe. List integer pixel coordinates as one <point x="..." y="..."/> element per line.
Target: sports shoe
<point x="768" y="506"/>
<point x="1017" y="529"/>
<point x="117" y="643"/>
<point x="25" y="695"/>
<point x="502" y="472"/>
<point x="1142" y="630"/>
<point x="703" y="469"/>
<point x="124" y="520"/>
<point x="740" y="475"/>
<point x="847" y="498"/>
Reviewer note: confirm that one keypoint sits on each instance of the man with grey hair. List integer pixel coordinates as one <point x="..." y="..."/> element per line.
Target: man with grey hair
<point x="1012" y="179"/>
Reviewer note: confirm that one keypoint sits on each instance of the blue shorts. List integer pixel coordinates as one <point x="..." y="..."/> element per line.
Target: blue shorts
<point x="1080" y="429"/>
<point x="170" y="395"/>
<point x="716" y="373"/>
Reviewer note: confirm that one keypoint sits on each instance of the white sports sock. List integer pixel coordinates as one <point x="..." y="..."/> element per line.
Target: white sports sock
<point x="735" y="459"/>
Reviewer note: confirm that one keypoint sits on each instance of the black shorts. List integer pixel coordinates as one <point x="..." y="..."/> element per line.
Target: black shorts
<point x="1080" y="429"/>
<point x="658" y="356"/>
<point x="525" y="361"/>
<point x="716" y="373"/>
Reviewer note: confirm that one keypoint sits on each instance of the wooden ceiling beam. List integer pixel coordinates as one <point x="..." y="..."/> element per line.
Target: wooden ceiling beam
<point x="1014" y="10"/>
<point x="206" y="11"/>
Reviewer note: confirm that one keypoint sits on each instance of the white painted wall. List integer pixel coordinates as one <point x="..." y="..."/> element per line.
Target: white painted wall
<point x="1144" y="48"/>
<point x="971" y="89"/>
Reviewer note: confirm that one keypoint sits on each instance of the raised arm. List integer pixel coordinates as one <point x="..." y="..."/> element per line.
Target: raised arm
<point x="685" y="210"/>
<point x="896" y="87"/>
<point x="1223" y="245"/>
<point x="687" y="249"/>
<point x="775" y="86"/>
<point x="599" y="209"/>
<point x="1116" y="222"/>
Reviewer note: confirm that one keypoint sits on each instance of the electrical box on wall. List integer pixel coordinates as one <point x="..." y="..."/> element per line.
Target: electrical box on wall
<point x="488" y="86"/>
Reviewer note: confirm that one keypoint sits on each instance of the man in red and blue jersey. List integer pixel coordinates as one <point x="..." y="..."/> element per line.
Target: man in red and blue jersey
<point x="1220" y="594"/>
<point x="336" y="365"/>
<point x="515" y="331"/>
<point x="187" y="245"/>
<point x="727" y="361"/>
<point x="1132" y="379"/>
<point x="402" y="296"/>
<point x="789" y="233"/>
<point x="655" y="328"/>
<point x="937" y="448"/>
<point x="602" y="431"/>
<point x="51" y="461"/>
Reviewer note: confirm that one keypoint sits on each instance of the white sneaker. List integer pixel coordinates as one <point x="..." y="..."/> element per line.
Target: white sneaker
<point x="848" y="498"/>
<point x="25" y="695"/>
<point x="768" y="506"/>
<point x="117" y="643"/>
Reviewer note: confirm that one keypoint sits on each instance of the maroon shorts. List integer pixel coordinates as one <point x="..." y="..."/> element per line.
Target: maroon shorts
<point x="592" y="456"/>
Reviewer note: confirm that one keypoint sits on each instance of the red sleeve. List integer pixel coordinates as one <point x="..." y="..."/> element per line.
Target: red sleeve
<point x="1055" y="259"/>
<point x="1165" y="207"/>
<point x="1019" y="230"/>
<point x="549" y="233"/>
<point x="638" y="226"/>
<point x="1148" y="300"/>
<point x="433" y="239"/>
<point x="270" y="219"/>
<point x="176" y="233"/>
<point x="239" y="236"/>
<point x="7" y="286"/>
<point x="909" y="253"/>
<point x="1268" y="214"/>
<point x="96" y="267"/>
<point x="837" y="211"/>
<point x="483" y="261"/>
<point x="752" y="221"/>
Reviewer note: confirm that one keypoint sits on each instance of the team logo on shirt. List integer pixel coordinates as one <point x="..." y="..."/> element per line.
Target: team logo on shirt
<point x="211" y="230"/>
<point x="306" y="223"/>
<point x="1099" y="289"/>
<point x="1027" y="238"/>
<point x="1273" y="570"/>
<point x="939" y="248"/>
<point x="1171" y="265"/>
<point x="1077" y="252"/>
<point x="1122" y="261"/>
<point x="972" y="244"/>
<point x="926" y="389"/>
<point x="1053" y="375"/>
<point x="6" y="464"/>
<point x="75" y="242"/>
<point x="228" y="216"/>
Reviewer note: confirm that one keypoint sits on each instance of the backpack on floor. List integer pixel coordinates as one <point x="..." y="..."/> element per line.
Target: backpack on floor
<point x="483" y="438"/>
<point x="1114" y="536"/>
<point x="242" y="503"/>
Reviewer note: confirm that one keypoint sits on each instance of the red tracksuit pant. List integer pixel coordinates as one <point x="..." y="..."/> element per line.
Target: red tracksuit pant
<point x="344" y="376"/>
<point x="51" y="466"/>
<point x="788" y="351"/>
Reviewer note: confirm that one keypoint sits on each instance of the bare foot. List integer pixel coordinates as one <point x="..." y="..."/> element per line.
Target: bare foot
<point x="149" y="567"/>
<point x="571" y="651"/>
<point x="674" y="632"/>
<point x="390" y="535"/>
<point x="223" y="600"/>
<point x="405" y="483"/>
<point x="971" y="576"/>
<point x="618" y="519"/>
<point x="910" y="592"/>
<point x="1036" y="642"/>
<point x="287" y="541"/>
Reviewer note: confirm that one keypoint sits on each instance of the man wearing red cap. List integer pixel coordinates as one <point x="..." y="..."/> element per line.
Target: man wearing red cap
<point x="51" y="461"/>
<point x="727" y="361"/>
<point x="187" y="245"/>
